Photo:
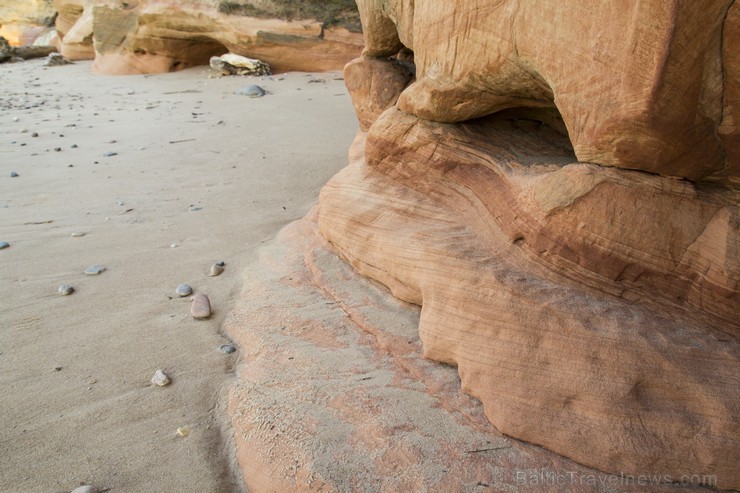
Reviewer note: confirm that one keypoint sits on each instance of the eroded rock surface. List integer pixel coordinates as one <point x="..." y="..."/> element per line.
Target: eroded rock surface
<point x="21" y="22"/>
<point x="558" y="189"/>
<point x="334" y="396"/>
<point x="147" y="36"/>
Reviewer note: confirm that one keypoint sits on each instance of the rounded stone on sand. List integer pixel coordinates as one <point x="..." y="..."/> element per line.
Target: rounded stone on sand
<point x="252" y="91"/>
<point x="65" y="289"/>
<point x="94" y="270"/>
<point x="160" y="379"/>
<point x="77" y="234"/>
<point x="85" y="489"/>
<point x="227" y="348"/>
<point x="13" y="174"/>
<point x="201" y="307"/>
<point x="4" y="245"/>
<point x="183" y="290"/>
<point x="216" y="269"/>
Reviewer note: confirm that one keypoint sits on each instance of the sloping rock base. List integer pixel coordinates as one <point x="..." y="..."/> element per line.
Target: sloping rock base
<point x="335" y="396"/>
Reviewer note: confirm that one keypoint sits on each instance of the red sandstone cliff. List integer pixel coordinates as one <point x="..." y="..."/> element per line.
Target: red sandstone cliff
<point x="557" y="187"/>
<point x="149" y="36"/>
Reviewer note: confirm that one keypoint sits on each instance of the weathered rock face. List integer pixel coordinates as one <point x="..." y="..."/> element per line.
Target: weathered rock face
<point x="146" y="36"/>
<point x="639" y="86"/>
<point x="522" y="191"/>
<point x="21" y="22"/>
<point x="334" y="396"/>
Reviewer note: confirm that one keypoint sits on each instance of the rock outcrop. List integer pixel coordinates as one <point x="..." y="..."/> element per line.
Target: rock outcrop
<point x="21" y="22"/>
<point x="557" y="187"/>
<point x="334" y="396"/>
<point x="145" y="36"/>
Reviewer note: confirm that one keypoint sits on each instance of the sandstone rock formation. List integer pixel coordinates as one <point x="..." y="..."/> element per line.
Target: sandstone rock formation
<point x="558" y="190"/>
<point x="146" y="36"/>
<point x="334" y="396"/>
<point x="21" y="22"/>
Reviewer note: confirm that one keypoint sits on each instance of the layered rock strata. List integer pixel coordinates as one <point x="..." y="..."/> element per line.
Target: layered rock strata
<point x="144" y="36"/>
<point x="334" y="396"/>
<point x="564" y="208"/>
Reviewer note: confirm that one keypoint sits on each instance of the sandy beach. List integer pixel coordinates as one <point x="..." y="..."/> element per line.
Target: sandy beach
<point x="156" y="178"/>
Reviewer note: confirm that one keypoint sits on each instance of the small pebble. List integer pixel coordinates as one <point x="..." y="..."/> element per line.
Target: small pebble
<point x="184" y="290"/>
<point x="110" y="154"/>
<point x="221" y="263"/>
<point x="160" y="379"/>
<point x="252" y="91"/>
<point x="201" y="307"/>
<point x="77" y="235"/>
<point x="194" y="208"/>
<point x="24" y="130"/>
<point x="94" y="270"/>
<point x="57" y="149"/>
<point x="183" y="431"/>
<point x="4" y="245"/>
<point x="58" y="368"/>
<point x="227" y="348"/>
<point x="15" y="118"/>
<point x="65" y="289"/>
<point x="74" y="146"/>
<point x="216" y="270"/>
<point x="35" y="134"/>
<point x="85" y="489"/>
<point x="13" y="174"/>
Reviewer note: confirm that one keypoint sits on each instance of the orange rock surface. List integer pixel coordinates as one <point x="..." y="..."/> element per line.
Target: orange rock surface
<point x="558" y="190"/>
<point x="144" y="36"/>
<point x="639" y="85"/>
<point x="334" y="396"/>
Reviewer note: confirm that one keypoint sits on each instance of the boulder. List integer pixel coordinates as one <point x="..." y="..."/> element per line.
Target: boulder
<point x="231" y="64"/>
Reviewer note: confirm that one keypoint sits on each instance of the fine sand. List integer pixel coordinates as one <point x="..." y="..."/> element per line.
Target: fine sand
<point x="199" y="175"/>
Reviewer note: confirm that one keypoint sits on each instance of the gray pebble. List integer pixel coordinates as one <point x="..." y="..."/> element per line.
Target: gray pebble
<point x="94" y="270"/>
<point x="65" y="289"/>
<point x="110" y="154"/>
<point x="227" y="348"/>
<point x="216" y="270"/>
<point x="77" y="235"/>
<point x="221" y="263"/>
<point x="13" y="174"/>
<point x="184" y="290"/>
<point x="252" y="91"/>
<point x="35" y="134"/>
<point x="4" y="245"/>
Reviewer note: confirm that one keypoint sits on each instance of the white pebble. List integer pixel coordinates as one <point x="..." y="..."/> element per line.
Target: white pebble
<point x="94" y="270"/>
<point x="160" y="379"/>
<point x="85" y="489"/>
